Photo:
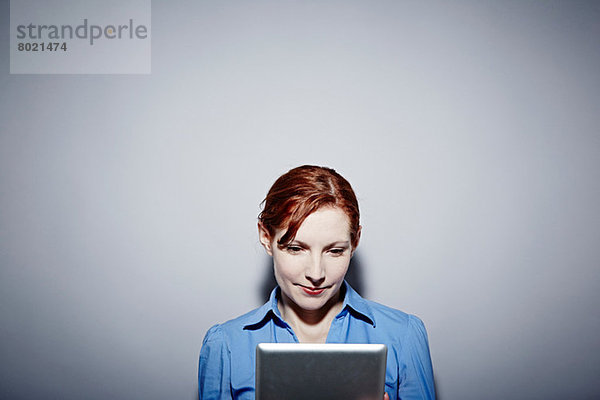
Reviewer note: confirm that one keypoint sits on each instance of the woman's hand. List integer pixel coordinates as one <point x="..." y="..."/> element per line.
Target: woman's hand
<point x="385" y="396"/>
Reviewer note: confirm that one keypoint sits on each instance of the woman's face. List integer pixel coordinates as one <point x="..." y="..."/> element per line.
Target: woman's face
<point x="311" y="268"/>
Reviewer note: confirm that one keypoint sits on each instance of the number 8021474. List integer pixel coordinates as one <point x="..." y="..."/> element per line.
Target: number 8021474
<point x="49" y="46"/>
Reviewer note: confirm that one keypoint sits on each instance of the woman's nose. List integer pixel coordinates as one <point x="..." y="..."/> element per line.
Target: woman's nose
<point x="315" y="271"/>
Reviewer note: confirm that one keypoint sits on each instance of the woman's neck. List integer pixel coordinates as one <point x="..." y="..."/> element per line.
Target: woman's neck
<point x="310" y="326"/>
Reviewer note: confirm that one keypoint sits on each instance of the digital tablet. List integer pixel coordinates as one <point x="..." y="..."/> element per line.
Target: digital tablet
<point x="300" y="371"/>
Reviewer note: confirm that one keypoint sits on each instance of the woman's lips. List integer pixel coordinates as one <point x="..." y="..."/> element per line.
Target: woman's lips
<point x="313" y="291"/>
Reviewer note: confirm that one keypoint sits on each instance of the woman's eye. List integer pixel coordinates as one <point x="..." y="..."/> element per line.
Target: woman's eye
<point x="294" y="249"/>
<point x="337" y="252"/>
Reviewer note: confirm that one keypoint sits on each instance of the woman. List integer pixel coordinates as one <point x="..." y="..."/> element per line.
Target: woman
<point x="310" y="226"/>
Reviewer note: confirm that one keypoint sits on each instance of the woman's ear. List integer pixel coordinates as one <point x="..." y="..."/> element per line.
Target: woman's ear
<point x="265" y="238"/>
<point x="357" y="240"/>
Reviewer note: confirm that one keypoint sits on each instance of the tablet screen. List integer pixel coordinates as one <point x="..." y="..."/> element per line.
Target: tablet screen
<point x="294" y="371"/>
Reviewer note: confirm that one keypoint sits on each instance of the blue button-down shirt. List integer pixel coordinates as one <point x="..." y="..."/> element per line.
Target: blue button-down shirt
<point x="227" y="358"/>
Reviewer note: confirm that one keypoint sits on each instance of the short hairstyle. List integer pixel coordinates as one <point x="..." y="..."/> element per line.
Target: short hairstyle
<point x="300" y="192"/>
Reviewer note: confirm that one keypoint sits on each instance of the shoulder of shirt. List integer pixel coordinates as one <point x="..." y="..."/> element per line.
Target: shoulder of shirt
<point x="233" y="326"/>
<point x="388" y="317"/>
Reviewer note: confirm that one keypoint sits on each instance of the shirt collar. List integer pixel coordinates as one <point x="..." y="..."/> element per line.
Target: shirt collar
<point x="353" y="302"/>
<point x="269" y="310"/>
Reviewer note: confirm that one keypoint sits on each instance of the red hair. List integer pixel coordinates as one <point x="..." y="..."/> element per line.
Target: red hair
<point x="302" y="191"/>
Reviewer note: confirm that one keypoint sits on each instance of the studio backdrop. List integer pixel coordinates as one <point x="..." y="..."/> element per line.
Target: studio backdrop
<point x="129" y="197"/>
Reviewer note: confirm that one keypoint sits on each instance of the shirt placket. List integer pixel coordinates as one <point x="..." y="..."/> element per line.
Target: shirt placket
<point x="336" y="329"/>
<point x="283" y="333"/>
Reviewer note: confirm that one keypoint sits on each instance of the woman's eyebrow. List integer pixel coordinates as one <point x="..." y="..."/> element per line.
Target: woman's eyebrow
<point x="299" y="242"/>
<point x="338" y="243"/>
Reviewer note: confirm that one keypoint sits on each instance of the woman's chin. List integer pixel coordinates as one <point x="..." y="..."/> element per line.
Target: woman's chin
<point x="313" y="303"/>
<point x="309" y="304"/>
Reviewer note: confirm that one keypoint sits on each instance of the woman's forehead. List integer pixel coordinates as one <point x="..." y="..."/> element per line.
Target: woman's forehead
<point x="328" y="224"/>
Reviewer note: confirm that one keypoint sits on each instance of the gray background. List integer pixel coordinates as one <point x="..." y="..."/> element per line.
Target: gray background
<point x="470" y="131"/>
